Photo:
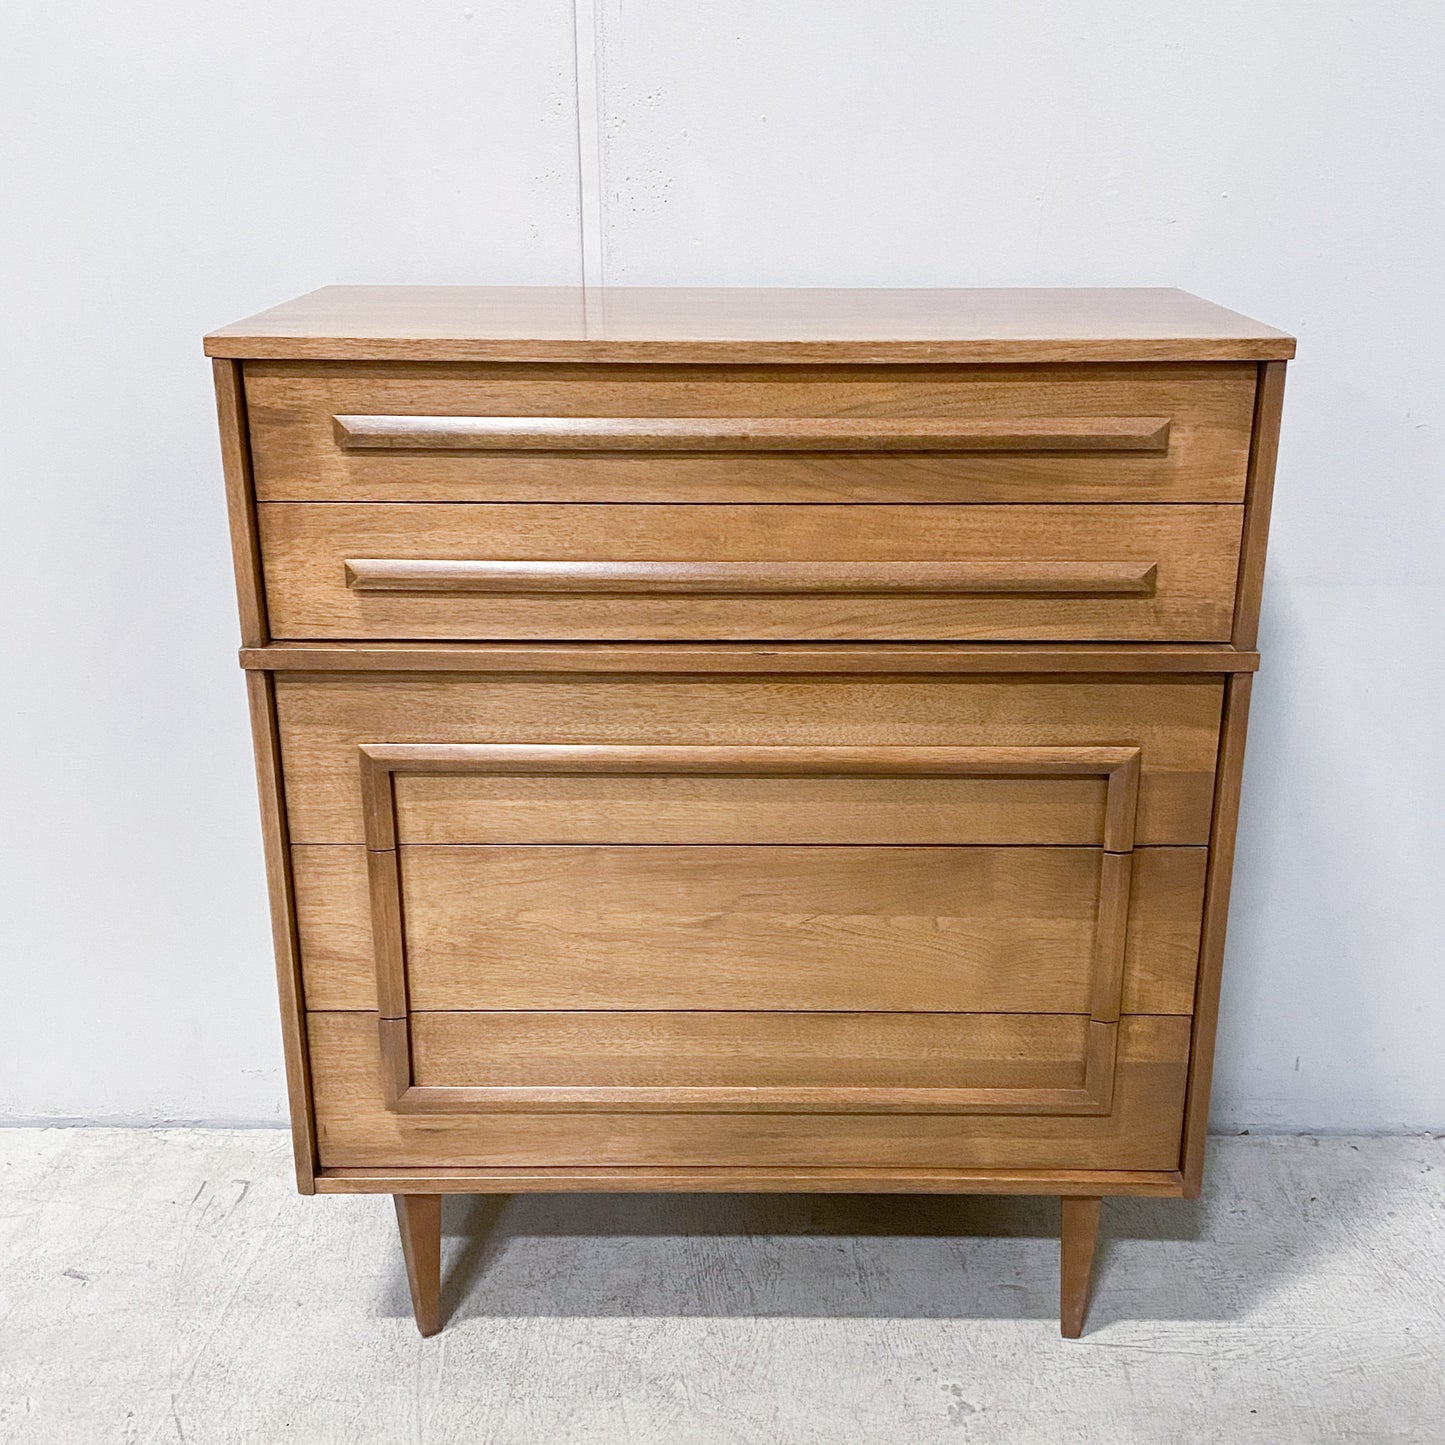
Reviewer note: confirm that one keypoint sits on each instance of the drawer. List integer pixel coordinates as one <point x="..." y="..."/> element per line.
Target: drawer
<point x="1140" y="1130"/>
<point x="860" y="929"/>
<point x="588" y="902"/>
<point x="736" y="572"/>
<point x="333" y="725"/>
<point x="644" y="433"/>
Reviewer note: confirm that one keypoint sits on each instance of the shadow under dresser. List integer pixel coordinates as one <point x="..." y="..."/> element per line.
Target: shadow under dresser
<point x="749" y="740"/>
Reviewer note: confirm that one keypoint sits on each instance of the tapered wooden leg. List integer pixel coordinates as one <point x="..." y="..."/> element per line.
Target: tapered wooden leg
<point x="1076" y="1263"/>
<point x="419" y="1217"/>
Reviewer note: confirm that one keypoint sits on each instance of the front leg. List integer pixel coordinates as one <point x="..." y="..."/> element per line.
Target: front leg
<point x="419" y="1217"/>
<point x="1076" y="1262"/>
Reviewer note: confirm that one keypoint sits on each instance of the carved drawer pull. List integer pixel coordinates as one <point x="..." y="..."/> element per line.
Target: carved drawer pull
<point x="756" y="579"/>
<point x="765" y="434"/>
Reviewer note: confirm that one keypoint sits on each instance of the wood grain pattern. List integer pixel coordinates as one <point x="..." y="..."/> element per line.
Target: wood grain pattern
<point x="797" y="760"/>
<point x="240" y="502"/>
<point x="326" y="718"/>
<point x="772" y="1062"/>
<point x="856" y="1179"/>
<point x="661" y="658"/>
<point x="333" y="927"/>
<point x="995" y="930"/>
<point x="419" y="1219"/>
<point x="563" y="808"/>
<point x="990" y="930"/>
<point x="464" y="323"/>
<point x="306" y="547"/>
<point x="275" y="837"/>
<point x="356" y="1128"/>
<point x="1228" y="774"/>
<point x="381" y="764"/>
<point x="391" y="771"/>
<point x="755" y="434"/>
<point x="1263" y="453"/>
<point x="293" y="410"/>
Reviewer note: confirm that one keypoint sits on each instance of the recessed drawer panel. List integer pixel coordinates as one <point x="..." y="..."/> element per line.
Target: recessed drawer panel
<point x="368" y="432"/>
<point x="1139" y="1130"/>
<point x="326" y="720"/>
<point x="480" y="572"/>
<point x="715" y="928"/>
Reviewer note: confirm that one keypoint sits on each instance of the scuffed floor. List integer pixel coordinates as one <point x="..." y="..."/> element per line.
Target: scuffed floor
<point x="170" y="1286"/>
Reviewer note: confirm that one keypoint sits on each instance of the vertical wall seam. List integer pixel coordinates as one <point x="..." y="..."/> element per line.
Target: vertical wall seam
<point x="587" y="90"/>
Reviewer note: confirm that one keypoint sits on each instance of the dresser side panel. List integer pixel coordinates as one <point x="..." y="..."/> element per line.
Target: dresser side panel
<point x="1258" y="499"/>
<point x="260" y="687"/>
<point x="1227" y="774"/>
<point x="241" y="502"/>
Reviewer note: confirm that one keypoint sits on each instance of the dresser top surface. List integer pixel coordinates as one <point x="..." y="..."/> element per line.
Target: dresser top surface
<point x="685" y="324"/>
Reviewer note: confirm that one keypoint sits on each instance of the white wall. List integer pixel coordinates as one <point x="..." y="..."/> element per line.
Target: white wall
<point x="170" y="166"/>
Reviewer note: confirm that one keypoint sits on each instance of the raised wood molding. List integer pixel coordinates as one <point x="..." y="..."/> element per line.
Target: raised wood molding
<point x="755" y="579"/>
<point x="381" y="762"/>
<point x="762" y="434"/>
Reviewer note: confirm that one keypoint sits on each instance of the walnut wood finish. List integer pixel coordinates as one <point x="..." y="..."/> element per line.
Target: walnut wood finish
<point x="749" y="740"/>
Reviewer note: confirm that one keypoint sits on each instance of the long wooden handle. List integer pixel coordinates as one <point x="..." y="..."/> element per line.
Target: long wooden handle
<point x="761" y="434"/>
<point x="756" y="579"/>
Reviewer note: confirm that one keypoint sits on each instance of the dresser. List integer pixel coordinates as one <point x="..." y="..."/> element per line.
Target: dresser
<point x="749" y="740"/>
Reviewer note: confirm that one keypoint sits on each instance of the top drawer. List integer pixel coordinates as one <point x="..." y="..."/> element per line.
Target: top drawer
<point x="642" y="433"/>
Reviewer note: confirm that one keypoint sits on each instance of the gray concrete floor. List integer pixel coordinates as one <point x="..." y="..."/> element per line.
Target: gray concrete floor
<point x="169" y="1286"/>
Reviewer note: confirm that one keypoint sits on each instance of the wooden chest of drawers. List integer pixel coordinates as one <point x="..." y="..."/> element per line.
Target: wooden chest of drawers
<point x="749" y="740"/>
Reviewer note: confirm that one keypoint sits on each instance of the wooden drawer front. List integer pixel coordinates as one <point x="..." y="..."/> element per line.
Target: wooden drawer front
<point x="1141" y="1130"/>
<point x="367" y="432"/>
<point x="993" y="930"/>
<point x="325" y="720"/>
<point x="793" y="980"/>
<point x="739" y="572"/>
